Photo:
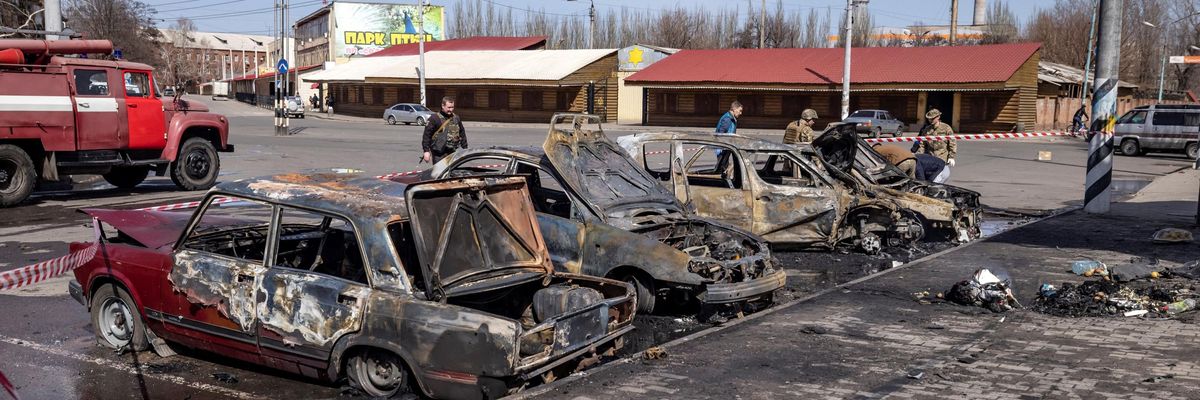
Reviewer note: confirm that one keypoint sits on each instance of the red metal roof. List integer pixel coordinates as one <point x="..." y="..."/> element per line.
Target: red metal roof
<point x="470" y="43"/>
<point x="248" y="77"/>
<point x="943" y="64"/>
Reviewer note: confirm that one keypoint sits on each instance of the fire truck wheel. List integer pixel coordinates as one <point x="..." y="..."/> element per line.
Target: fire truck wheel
<point x="196" y="165"/>
<point x="17" y="176"/>
<point x="126" y="177"/>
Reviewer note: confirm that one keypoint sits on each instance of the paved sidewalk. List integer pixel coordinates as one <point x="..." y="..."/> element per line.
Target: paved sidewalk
<point x="872" y="340"/>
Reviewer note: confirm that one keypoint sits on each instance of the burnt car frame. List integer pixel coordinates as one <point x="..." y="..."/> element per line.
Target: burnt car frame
<point x="603" y="216"/>
<point x="787" y="194"/>
<point x="443" y="287"/>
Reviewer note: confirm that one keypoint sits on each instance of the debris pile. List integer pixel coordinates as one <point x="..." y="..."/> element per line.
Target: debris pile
<point x="1129" y="290"/>
<point x="984" y="289"/>
<point x="1172" y="236"/>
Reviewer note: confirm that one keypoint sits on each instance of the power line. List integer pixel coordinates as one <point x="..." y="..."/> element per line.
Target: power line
<point x="246" y="12"/>
<point x="204" y="6"/>
<point x="543" y="12"/>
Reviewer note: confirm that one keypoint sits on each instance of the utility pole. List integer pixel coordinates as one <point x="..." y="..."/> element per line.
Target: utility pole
<point x="421" y="47"/>
<point x="281" y="79"/>
<point x="953" y="21"/>
<point x="592" y="25"/>
<point x="1097" y="197"/>
<point x="762" y="25"/>
<point x="52" y="12"/>
<point x="850" y="4"/>
<point x="1087" y="65"/>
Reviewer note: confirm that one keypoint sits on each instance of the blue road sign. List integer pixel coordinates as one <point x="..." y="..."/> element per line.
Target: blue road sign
<point x="282" y="66"/>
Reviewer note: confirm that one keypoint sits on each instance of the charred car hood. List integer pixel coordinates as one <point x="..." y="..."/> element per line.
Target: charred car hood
<point x="476" y="233"/>
<point x="153" y="229"/>
<point x="605" y="177"/>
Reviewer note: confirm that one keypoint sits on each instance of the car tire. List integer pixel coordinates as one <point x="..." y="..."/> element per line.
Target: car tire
<point x="876" y="132"/>
<point x="1130" y="147"/>
<point x="196" y="165"/>
<point x="378" y="373"/>
<point x="421" y="121"/>
<point x="897" y="133"/>
<point x="1192" y="150"/>
<point x="127" y="177"/>
<point x="117" y="321"/>
<point x="17" y="175"/>
<point x="391" y="120"/>
<point x="643" y="286"/>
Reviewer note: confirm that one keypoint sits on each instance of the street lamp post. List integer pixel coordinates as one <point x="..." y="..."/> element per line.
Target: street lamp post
<point x="1162" y="37"/>
<point x="421" y="47"/>
<point x="850" y="4"/>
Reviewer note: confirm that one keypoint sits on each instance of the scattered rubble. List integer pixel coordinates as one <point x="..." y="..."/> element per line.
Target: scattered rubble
<point x="1103" y="297"/>
<point x="225" y="377"/>
<point x="1172" y="236"/>
<point x="814" y="330"/>
<point x="985" y="289"/>
<point x="655" y="353"/>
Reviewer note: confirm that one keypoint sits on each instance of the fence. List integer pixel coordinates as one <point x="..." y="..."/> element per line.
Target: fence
<point x="1056" y="112"/>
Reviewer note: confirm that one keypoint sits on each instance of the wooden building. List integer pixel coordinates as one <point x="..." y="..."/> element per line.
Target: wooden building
<point x="501" y="86"/>
<point x="984" y="88"/>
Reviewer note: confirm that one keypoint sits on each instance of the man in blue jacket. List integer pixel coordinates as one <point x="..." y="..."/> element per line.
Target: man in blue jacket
<point x="727" y="125"/>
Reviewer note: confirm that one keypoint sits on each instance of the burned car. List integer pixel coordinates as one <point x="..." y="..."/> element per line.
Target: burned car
<point x="441" y="287"/>
<point x="771" y="189"/>
<point x="853" y="160"/>
<point x="603" y="216"/>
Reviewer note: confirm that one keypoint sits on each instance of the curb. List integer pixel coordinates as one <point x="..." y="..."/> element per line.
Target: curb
<point x="676" y="342"/>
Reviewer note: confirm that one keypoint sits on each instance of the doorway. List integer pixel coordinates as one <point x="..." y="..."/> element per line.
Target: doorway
<point x="944" y="102"/>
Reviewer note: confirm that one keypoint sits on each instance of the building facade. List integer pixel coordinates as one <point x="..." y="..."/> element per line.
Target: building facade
<point x="194" y="58"/>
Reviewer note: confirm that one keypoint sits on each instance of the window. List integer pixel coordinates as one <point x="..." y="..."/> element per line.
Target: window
<point x="404" y="95"/>
<point x="319" y="243"/>
<point x="434" y="96"/>
<point x="465" y="99"/>
<point x="752" y="104"/>
<point x="793" y="105"/>
<point x="666" y="103"/>
<point x="707" y="103"/>
<point x="377" y="95"/>
<point x="359" y="97"/>
<point x="781" y="169"/>
<point x="547" y="192"/>
<point x="1176" y="118"/>
<point x="498" y="99"/>
<point x="895" y="105"/>
<point x="531" y="100"/>
<point x="137" y="84"/>
<point x="564" y="99"/>
<point x="237" y="230"/>
<point x="712" y="166"/>
<point x="657" y="158"/>
<point x="835" y="106"/>
<point x="862" y="114"/>
<point x="91" y="82"/>
<point x="480" y="166"/>
<point x="1133" y="117"/>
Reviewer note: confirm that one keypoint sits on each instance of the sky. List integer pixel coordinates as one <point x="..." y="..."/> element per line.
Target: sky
<point x="255" y="16"/>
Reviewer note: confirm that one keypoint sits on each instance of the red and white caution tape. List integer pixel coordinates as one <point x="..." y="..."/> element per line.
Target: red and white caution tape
<point x="8" y="387"/>
<point x="976" y="136"/>
<point x="190" y="204"/>
<point x="44" y="270"/>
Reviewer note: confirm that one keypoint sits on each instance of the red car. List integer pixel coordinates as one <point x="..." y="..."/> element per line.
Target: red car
<point x="444" y="286"/>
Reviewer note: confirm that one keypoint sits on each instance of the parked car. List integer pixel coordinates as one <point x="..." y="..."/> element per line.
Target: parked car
<point x="1160" y="127"/>
<point x="168" y="91"/>
<point x="876" y="123"/>
<point x="851" y="159"/>
<point x="408" y="113"/>
<point x="784" y="193"/>
<point x="444" y="287"/>
<point x="294" y="105"/>
<point x="590" y="196"/>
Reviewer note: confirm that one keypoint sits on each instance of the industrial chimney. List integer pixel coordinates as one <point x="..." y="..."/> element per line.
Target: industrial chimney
<point x="980" y="13"/>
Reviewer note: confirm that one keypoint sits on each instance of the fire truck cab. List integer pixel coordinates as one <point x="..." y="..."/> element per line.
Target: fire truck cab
<point x="66" y="115"/>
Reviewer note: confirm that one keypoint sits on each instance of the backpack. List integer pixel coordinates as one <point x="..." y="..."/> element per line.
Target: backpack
<point x="447" y="140"/>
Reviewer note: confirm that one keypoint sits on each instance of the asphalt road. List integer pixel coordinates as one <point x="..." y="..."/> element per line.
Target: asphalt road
<point x="46" y="341"/>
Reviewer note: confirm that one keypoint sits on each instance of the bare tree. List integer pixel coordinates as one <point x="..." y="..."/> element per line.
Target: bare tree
<point x="20" y="14"/>
<point x="178" y="66"/>
<point x="127" y="23"/>
<point x="1002" y="24"/>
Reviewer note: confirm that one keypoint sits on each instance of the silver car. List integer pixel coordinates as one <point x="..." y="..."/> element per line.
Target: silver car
<point x="876" y="123"/>
<point x="408" y="113"/>
<point x="1162" y="127"/>
<point x="294" y="106"/>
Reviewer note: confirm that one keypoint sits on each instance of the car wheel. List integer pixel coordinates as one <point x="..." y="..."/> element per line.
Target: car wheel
<point x="196" y="165"/>
<point x="378" y="373"/>
<point x="876" y="132"/>
<point x="126" y="177"/>
<point x="421" y="121"/>
<point x="897" y="133"/>
<point x="1192" y="150"/>
<point x="116" y="320"/>
<point x="391" y="120"/>
<point x="1130" y="147"/>
<point x="644" y="289"/>
<point x="17" y="175"/>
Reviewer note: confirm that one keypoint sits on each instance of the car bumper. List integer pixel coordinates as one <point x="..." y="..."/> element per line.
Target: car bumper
<point x="720" y="293"/>
<point x="76" y="291"/>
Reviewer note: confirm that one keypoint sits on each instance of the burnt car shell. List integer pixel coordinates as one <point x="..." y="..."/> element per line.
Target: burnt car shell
<point x="861" y="163"/>
<point x="417" y="301"/>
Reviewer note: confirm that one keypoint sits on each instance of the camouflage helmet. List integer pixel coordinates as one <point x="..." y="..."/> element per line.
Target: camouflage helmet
<point x="933" y="113"/>
<point x="808" y="113"/>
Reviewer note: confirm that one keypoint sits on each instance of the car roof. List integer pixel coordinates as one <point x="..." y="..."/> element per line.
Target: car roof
<point x="871" y="109"/>
<point x="738" y="141"/>
<point x="358" y="197"/>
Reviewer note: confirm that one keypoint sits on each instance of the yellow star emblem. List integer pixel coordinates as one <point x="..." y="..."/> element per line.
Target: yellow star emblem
<point x="635" y="56"/>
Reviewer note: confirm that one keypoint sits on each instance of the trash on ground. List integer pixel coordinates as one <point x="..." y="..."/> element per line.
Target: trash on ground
<point x="1172" y="236"/>
<point x="1139" y="268"/>
<point x="814" y="329"/>
<point x="984" y="289"/>
<point x="1102" y="297"/>
<point x="1136" y="313"/>
<point x="1158" y="379"/>
<point x="1089" y="268"/>
<point x="225" y="377"/>
<point x="1190" y="270"/>
<point x="1179" y="306"/>
<point x="916" y="375"/>
<point x="1044" y="155"/>
<point x="655" y="353"/>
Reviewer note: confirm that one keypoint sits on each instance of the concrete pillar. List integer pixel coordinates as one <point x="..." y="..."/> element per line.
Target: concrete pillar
<point x="922" y="104"/>
<point x="957" y="107"/>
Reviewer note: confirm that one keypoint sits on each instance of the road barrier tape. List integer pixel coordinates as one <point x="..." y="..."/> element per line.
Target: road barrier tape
<point x="31" y="274"/>
<point x="190" y="204"/>
<point x="976" y="136"/>
<point x="8" y="387"/>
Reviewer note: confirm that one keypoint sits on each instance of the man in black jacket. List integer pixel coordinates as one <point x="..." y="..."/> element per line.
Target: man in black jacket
<point x="444" y="133"/>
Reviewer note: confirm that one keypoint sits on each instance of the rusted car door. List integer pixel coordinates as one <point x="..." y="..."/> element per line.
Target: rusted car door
<point x="715" y="181"/>
<point x="792" y="202"/>
<point x="315" y="290"/>
<point x="97" y="121"/>
<point x="217" y="267"/>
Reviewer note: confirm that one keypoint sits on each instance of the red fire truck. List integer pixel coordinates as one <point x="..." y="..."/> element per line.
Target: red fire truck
<point x="72" y="115"/>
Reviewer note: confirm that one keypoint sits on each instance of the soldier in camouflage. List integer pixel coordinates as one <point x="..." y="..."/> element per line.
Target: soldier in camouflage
<point x="801" y="131"/>
<point x="943" y="149"/>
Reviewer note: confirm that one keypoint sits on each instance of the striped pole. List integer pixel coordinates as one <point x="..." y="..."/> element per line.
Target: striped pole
<point x="1097" y="197"/>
